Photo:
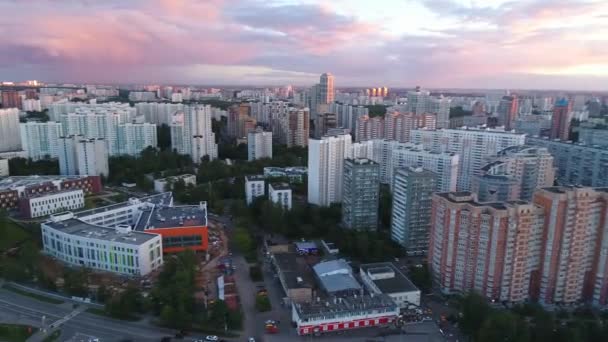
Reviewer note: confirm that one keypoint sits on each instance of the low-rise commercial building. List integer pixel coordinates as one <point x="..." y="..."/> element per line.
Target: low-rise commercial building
<point x="341" y="314"/>
<point x="385" y="278"/>
<point x="295" y="275"/>
<point x="335" y="278"/>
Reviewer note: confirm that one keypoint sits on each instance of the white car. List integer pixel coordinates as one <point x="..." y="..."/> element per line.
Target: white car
<point x="211" y="338"/>
<point x="251" y="339"/>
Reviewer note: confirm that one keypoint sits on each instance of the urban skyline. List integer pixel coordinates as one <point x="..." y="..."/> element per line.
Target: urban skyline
<point x="444" y="44"/>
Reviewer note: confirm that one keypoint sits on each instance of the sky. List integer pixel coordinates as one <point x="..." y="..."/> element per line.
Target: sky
<point x="531" y="44"/>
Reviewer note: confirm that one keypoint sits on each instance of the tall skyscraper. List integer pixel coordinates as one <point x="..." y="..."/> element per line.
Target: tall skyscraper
<point x="80" y="156"/>
<point x="9" y="130"/>
<point x="326" y="88"/>
<point x="326" y="168"/>
<point x="418" y="101"/>
<point x="413" y="190"/>
<point x="259" y="144"/>
<point x="473" y="146"/>
<point x="360" y="194"/>
<point x="135" y="137"/>
<point x="515" y="173"/>
<point x="240" y="121"/>
<point x="560" y="122"/>
<point x="40" y="139"/>
<point x="508" y="110"/>
<point x="191" y="133"/>
<point x="369" y="128"/>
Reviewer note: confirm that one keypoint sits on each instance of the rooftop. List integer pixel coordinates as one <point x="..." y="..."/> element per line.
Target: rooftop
<point x="165" y="199"/>
<point x="341" y="306"/>
<point x="398" y="283"/>
<point x="280" y="186"/>
<point x="254" y="178"/>
<point x="25" y="181"/>
<point x="76" y="227"/>
<point x="172" y="217"/>
<point x="296" y="269"/>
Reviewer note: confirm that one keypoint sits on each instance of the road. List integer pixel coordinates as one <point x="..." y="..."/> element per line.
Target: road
<point x="15" y="308"/>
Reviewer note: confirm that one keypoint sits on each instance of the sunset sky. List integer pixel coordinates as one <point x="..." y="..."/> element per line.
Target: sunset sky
<point x="434" y="43"/>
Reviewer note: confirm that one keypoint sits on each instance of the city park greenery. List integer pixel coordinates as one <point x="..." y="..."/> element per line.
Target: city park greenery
<point x="527" y="322"/>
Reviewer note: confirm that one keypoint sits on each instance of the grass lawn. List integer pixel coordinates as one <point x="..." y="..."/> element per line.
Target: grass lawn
<point x="15" y="332"/>
<point x="11" y="234"/>
<point x="33" y="295"/>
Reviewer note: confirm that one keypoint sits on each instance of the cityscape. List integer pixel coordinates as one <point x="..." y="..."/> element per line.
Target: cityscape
<point x="283" y="185"/>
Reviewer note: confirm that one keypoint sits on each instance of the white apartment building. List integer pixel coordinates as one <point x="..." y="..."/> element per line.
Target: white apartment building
<point x="418" y="101"/>
<point x="473" y="146"/>
<point x="50" y="203"/>
<point x="280" y="193"/>
<point x="31" y="105"/>
<point x="386" y="278"/>
<point x="158" y="113"/>
<point x="255" y="186"/>
<point x="79" y="156"/>
<point x="191" y="133"/>
<point x="134" y="138"/>
<point x="441" y="108"/>
<point x="259" y="145"/>
<point x="117" y="249"/>
<point x="325" y="168"/>
<point x="9" y="130"/>
<point x="4" y="171"/>
<point x="40" y="140"/>
<point x="348" y="114"/>
<point x="444" y="164"/>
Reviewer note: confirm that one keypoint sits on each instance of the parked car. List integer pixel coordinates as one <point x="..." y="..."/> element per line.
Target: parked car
<point x="211" y="338"/>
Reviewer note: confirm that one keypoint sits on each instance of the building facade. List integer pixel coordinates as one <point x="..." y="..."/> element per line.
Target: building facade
<point x="576" y="164"/>
<point x="280" y="194"/>
<point x="472" y="145"/>
<point x="79" y="156"/>
<point x="560" y="122"/>
<point x="508" y="110"/>
<point x="50" y="203"/>
<point x="40" y="140"/>
<point x="259" y="145"/>
<point x="326" y="168"/>
<point x="9" y="130"/>
<point x="360" y="194"/>
<point x="413" y="190"/>
<point x="191" y="133"/>
<point x="255" y="186"/>
<point x="4" y="170"/>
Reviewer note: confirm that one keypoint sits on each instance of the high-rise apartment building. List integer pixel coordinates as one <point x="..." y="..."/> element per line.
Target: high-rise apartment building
<point x="297" y="126"/>
<point x="135" y="137"/>
<point x="80" y="156"/>
<point x="323" y="123"/>
<point x="40" y="140"/>
<point x="158" y="113"/>
<point x="508" y="111"/>
<point x="240" y="122"/>
<point x="397" y="126"/>
<point x="11" y="99"/>
<point x="369" y="128"/>
<point x="418" y="101"/>
<point x="360" y="194"/>
<point x="553" y="250"/>
<point x="413" y="190"/>
<point x="441" y="108"/>
<point x="348" y="114"/>
<point x="255" y="186"/>
<point x="259" y="145"/>
<point x="473" y="146"/>
<point x="326" y="168"/>
<point x="515" y="173"/>
<point x="9" y="130"/>
<point x="576" y="164"/>
<point x="574" y="246"/>
<point x="191" y="133"/>
<point x="560" y="121"/>
<point x="593" y="136"/>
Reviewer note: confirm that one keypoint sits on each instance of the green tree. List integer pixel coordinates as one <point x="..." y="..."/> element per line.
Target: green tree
<point x="421" y="277"/>
<point x="262" y="303"/>
<point x="503" y="326"/>
<point x="474" y="311"/>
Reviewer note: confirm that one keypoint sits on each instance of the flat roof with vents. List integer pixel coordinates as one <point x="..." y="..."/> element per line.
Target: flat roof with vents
<point x="79" y="228"/>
